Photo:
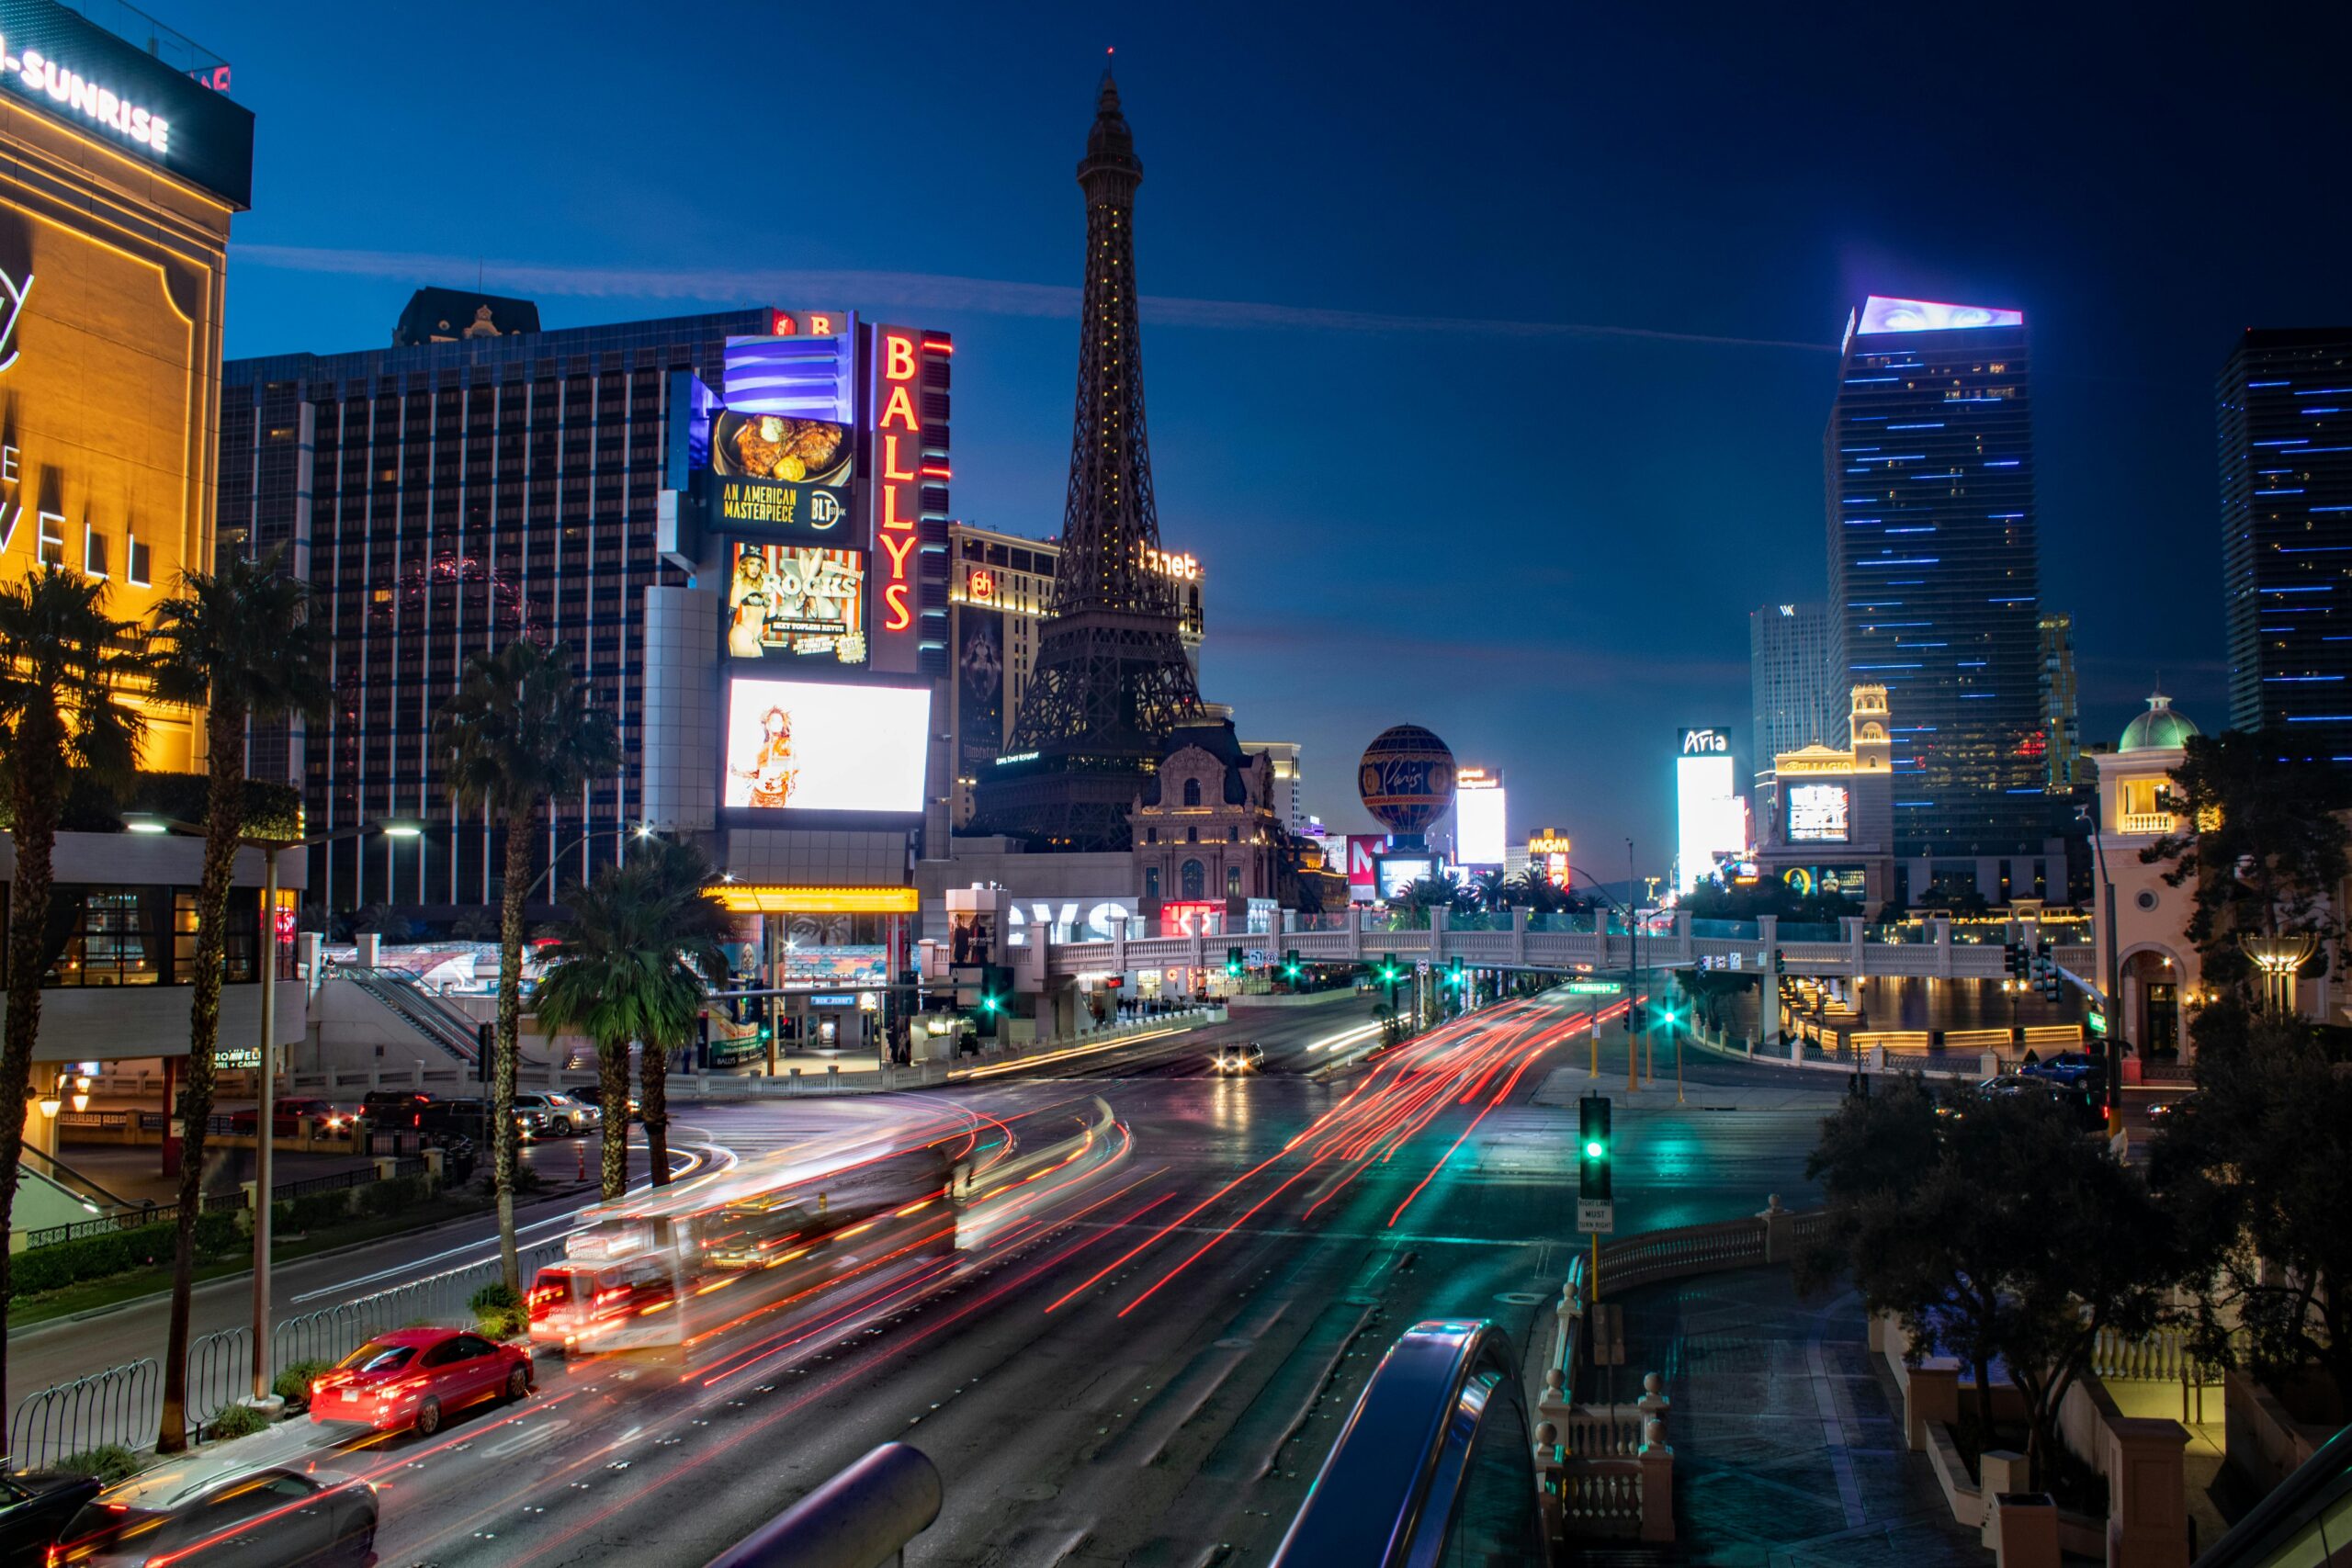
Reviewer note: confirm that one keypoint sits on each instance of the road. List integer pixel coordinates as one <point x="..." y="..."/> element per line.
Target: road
<point x="1141" y="1358"/>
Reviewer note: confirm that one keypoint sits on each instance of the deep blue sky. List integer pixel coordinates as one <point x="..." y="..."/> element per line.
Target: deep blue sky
<point x="1488" y="355"/>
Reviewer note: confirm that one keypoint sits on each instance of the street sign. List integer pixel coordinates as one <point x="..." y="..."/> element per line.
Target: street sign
<point x="1595" y="988"/>
<point x="1597" y="1215"/>
<point x="1259" y="958"/>
<point x="1422" y="967"/>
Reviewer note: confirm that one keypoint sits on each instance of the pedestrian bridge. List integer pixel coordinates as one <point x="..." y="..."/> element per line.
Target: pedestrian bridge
<point x="1571" y="944"/>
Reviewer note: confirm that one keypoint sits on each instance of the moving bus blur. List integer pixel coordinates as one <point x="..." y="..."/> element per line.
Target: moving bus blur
<point x="633" y="1269"/>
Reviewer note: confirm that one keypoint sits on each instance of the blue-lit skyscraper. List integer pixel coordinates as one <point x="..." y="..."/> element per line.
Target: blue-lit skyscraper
<point x="1933" y="588"/>
<point x="2286" y="427"/>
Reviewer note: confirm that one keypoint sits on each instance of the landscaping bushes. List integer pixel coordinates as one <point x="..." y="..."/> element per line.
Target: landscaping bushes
<point x="40" y="1268"/>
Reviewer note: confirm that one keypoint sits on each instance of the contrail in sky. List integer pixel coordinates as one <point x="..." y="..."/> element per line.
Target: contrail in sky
<point x="928" y="291"/>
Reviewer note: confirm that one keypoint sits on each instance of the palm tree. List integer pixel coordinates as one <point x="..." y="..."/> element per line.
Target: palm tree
<point x="64" y="665"/>
<point x="518" y="731"/>
<point x="1493" y="889"/>
<point x="628" y="968"/>
<point x="698" y="925"/>
<point x="238" y="643"/>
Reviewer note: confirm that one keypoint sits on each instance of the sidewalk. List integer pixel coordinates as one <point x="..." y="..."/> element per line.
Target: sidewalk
<point x="1788" y="1444"/>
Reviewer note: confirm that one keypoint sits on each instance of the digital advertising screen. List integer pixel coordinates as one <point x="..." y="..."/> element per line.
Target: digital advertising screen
<point x="1708" y="819"/>
<point x="1400" y="872"/>
<point x="1818" y="814"/>
<point x="1478" y="833"/>
<point x="1364" y="851"/>
<point x="979" y="684"/>
<point x="781" y="476"/>
<point x="806" y="746"/>
<point x="791" y="602"/>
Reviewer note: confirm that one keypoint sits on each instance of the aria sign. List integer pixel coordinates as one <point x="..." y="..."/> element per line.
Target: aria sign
<point x="1712" y="741"/>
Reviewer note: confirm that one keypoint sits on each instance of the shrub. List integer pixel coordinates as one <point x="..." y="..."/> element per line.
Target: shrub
<point x="236" y="1421"/>
<point x="500" y="1310"/>
<point x="314" y="1211"/>
<point x="109" y="1462"/>
<point x="293" y="1384"/>
<point x="216" y="1235"/>
<point x="386" y="1198"/>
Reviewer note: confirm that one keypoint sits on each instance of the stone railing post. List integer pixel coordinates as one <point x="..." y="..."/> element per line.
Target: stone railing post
<point x="1932" y="1393"/>
<point x="1657" y="1483"/>
<point x="1518" y="935"/>
<point x="2026" y="1529"/>
<point x="1355" y="933"/>
<point x="1779" y="1232"/>
<point x="2147" y="1507"/>
<point x="1999" y="1470"/>
<point x="1943" y="949"/>
<point x="1654" y="1404"/>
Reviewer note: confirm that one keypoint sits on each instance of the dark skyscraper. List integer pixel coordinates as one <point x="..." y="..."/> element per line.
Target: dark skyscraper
<point x="1932" y="586"/>
<point x="2286" y="419"/>
<point x="1111" y="680"/>
<point x="1788" y="668"/>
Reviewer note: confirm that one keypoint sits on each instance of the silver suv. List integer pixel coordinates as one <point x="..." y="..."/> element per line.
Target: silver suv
<point x="561" y="1115"/>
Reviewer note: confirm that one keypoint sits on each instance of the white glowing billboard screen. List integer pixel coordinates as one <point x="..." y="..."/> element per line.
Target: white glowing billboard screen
<point x="810" y="746"/>
<point x="1708" y="819"/>
<point x="1818" y="813"/>
<point x="1478" y="837"/>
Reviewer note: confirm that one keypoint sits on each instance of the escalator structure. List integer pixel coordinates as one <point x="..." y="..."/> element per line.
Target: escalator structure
<point x="447" y="1028"/>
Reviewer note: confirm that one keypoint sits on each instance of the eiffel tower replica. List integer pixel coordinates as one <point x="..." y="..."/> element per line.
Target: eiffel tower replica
<point x="1111" y="682"/>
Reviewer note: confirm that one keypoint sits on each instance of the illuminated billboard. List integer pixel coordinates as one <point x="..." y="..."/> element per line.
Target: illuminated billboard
<point x="1884" y="315"/>
<point x="1708" y="819"/>
<point x="802" y="746"/>
<point x="1818" y="813"/>
<point x="1478" y="833"/>
<point x="786" y="601"/>
<point x="1548" y="856"/>
<point x="1397" y="873"/>
<point x="1364" y="851"/>
<point x="780" y="477"/>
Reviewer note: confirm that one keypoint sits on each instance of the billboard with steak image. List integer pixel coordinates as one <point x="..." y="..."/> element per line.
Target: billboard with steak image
<point x="782" y="478"/>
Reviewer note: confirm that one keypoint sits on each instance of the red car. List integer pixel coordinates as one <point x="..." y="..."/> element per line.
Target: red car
<point x="284" y="1113"/>
<point x="415" y="1377"/>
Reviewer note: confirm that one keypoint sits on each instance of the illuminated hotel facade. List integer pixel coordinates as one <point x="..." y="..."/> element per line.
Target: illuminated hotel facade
<point x="1934" y="590"/>
<point x="2285" y="416"/>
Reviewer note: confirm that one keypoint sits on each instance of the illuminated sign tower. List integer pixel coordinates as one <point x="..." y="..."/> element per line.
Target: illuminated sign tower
<point x="1111" y="681"/>
<point x="1933" y="584"/>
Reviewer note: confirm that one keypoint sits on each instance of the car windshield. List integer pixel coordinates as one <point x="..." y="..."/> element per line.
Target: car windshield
<point x="377" y="1356"/>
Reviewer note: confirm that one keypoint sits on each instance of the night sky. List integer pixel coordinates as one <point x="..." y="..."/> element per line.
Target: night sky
<point x="1487" y="358"/>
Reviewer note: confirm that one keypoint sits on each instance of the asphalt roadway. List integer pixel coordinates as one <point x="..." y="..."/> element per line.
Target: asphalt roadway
<point x="1139" y="1353"/>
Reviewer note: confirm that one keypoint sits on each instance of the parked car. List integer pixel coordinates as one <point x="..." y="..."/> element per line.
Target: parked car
<point x="218" y="1513"/>
<point x="285" y="1114"/>
<point x="470" y="1118"/>
<point x="415" y="1378"/>
<point x="562" y="1116"/>
<point x="2087" y="1107"/>
<point x="1249" y="1057"/>
<point x="2164" y="1110"/>
<point x="34" y="1509"/>
<point x="2070" y="1069"/>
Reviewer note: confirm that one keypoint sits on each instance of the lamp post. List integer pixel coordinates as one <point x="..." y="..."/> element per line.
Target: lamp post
<point x="266" y="1073"/>
<point x="1631" y="967"/>
<point x="642" y="830"/>
<point x="2113" y="1001"/>
<point x="2279" y="958"/>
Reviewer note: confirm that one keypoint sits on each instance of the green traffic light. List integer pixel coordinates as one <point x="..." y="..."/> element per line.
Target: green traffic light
<point x="1594" y="1149"/>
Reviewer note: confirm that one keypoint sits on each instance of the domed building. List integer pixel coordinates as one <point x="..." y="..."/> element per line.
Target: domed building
<point x="2155" y="965"/>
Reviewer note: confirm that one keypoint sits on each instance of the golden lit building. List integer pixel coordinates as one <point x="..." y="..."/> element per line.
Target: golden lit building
<point x="123" y="163"/>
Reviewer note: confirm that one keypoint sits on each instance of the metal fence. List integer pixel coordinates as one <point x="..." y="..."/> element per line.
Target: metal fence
<point x="124" y="1405"/>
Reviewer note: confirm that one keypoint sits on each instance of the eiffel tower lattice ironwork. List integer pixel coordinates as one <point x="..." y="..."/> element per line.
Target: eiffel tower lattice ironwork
<point x="1111" y="682"/>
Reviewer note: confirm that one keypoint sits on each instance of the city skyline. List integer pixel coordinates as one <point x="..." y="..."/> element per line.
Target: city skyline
<point x="1603" y="357"/>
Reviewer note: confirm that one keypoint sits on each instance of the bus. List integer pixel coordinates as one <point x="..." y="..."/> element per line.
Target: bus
<point x="632" y="1271"/>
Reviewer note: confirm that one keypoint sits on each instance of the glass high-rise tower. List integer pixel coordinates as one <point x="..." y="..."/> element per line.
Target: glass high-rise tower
<point x="1788" y="679"/>
<point x="2286" y="428"/>
<point x="1933" y="585"/>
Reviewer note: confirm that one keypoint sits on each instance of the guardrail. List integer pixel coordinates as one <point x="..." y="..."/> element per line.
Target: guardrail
<point x="124" y="1405"/>
<point x="130" y="1217"/>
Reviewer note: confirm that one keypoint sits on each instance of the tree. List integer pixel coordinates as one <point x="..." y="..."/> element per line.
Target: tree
<point x="1437" y="892"/>
<point x="1493" y="889"/>
<point x="2264" y="845"/>
<point x="2256" y="1162"/>
<point x="699" y="925"/>
<point x="64" y="665"/>
<point x="1534" y="892"/>
<point x="519" y="731"/>
<point x="1998" y="1231"/>
<point x="239" y="643"/>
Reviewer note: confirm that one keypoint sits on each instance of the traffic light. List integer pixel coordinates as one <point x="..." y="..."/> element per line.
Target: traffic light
<point x="1389" y="973"/>
<point x="2013" y="960"/>
<point x="1233" y="963"/>
<point x="1290" y="964"/>
<point x="1592" y="1148"/>
<point x="996" y="995"/>
<point x="1780" y="961"/>
<point x="1455" y="978"/>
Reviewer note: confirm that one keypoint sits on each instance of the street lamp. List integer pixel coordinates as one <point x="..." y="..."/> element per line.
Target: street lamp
<point x="641" y="832"/>
<point x="2113" y="1001"/>
<point x="2279" y="958"/>
<point x="1632" y="959"/>
<point x="265" y="1075"/>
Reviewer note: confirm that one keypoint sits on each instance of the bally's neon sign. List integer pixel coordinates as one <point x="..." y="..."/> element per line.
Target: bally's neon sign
<point x="898" y="439"/>
<point x="87" y="98"/>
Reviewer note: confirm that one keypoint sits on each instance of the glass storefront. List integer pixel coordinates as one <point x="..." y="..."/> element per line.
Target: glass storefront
<point x="107" y="935"/>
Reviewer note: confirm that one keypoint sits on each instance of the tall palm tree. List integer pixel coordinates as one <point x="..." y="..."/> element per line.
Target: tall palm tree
<point x="64" y="666"/>
<point x="518" y="731"/>
<point x="698" y="925"/>
<point x="238" y="643"/>
<point x="628" y="969"/>
<point x="1493" y="889"/>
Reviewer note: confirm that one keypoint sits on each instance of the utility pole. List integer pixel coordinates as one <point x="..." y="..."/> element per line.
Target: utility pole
<point x="1632" y="977"/>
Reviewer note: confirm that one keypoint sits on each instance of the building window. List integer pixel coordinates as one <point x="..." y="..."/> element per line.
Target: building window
<point x="1233" y="882"/>
<point x="1233" y="835"/>
<point x="1151" y="885"/>
<point x="137" y="560"/>
<point x="140" y="936"/>
<point x="1193" y="879"/>
<point x="1151" y="835"/>
<point x="1191" y="835"/>
<point x="1192" y="792"/>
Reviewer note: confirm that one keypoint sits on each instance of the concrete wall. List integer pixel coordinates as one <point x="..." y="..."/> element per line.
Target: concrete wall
<point x="113" y="1022"/>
